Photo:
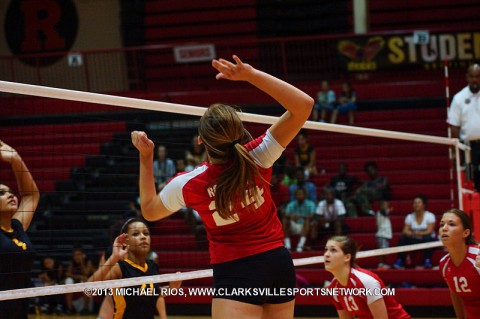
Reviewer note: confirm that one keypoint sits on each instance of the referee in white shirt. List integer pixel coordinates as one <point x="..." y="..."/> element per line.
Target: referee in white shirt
<point x="464" y="118"/>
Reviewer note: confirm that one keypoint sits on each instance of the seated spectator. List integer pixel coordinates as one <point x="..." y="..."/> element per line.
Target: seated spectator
<point x="79" y="269"/>
<point x="384" y="231"/>
<point x="325" y="102"/>
<point x="182" y="167"/>
<point x="289" y="177"/>
<point x="309" y="188"/>
<point x="419" y="228"/>
<point x="330" y="213"/>
<point x="343" y="183"/>
<point x="52" y="274"/>
<point x="196" y="154"/>
<point x="163" y="167"/>
<point x="375" y="189"/>
<point x="280" y="195"/>
<point x="346" y="103"/>
<point x="305" y="156"/>
<point x="298" y="215"/>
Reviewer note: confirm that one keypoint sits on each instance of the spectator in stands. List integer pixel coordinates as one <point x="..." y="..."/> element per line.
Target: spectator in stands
<point x="325" y="102"/>
<point x="309" y="188"/>
<point x="376" y="189"/>
<point x="343" y="183"/>
<point x="196" y="154"/>
<point x="289" y="177"/>
<point x="238" y="226"/>
<point x="79" y="269"/>
<point x="346" y="103"/>
<point x="133" y="209"/>
<point x="52" y="273"/>
<point x="330" y="213"/>
<point x="305" y="156"/>
<point x="464" y="118"/>
<point x="129" y="259"/>
<point x="419" y="228"/>
<point x="384" y="231"/>
<point x="16" y="252"/>
<point x="298" y="216"/>
<point x="182" y="167"/>
<point x="163" y="167"/>
<point x="280" y="195"/>
<point x="460" y="267"/>
<point x="340" y="254"/>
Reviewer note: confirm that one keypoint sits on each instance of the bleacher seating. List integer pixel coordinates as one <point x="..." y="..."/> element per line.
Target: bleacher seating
<point x="421" y="15"/>
<point x="174" y="21"/>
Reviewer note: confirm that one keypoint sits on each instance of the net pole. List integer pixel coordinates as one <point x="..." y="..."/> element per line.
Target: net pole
<point x="449" y="134"/>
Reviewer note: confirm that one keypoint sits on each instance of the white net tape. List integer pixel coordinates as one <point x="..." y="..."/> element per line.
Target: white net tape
<point x="119" y="283"/>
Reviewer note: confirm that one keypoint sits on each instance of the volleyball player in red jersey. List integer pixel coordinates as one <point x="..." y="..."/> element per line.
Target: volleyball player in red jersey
<point x="461" y="267"/>
<point x="231" y="193"/>
<point x="361" y="295"/>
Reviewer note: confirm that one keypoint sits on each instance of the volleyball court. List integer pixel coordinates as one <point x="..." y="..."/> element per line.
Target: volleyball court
<point x="87" y="171"/>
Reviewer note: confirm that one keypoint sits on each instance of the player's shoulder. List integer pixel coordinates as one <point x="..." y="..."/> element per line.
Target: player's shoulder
<point x="462" y="94"/>
<point x="444" y="260"/>
<point x="472" y="251"/>
<point x="364" y="277"/>
<point x="185" y="177"/>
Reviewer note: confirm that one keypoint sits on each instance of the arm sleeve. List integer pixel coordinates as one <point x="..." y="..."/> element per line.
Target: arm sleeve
<point x="375" y="287"/>
<point x="454" y="114"/>
<point x="320" y="208"/>
<point x="289" y="209"/>
<point x="408" y="219"/>
<point x="265" y="150"/>
<point x="341" y="208"/>
<point x="431" y="218"/>
<point x="172" y="194"/>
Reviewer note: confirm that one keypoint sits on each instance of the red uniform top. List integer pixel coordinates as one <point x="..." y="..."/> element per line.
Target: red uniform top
<point x="464" y="280"/>
<point x="250" y="231"/>
<point x="363" y="288"/>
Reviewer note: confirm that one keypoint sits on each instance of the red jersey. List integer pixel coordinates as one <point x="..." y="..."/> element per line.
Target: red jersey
<point x="464" y="280"/>
<point x="363" y="288"/>
<point x="250" y="231"/>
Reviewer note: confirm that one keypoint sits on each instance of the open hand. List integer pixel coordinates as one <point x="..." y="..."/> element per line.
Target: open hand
<point x="230" y="71"/>
<point x="120" y="247"/>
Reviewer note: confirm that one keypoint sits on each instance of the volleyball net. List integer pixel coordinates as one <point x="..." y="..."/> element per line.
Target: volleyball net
<point x="87" y="173"/>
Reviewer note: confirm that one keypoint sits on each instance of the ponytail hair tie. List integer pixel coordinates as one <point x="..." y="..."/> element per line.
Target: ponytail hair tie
<point x="234" y="143"/>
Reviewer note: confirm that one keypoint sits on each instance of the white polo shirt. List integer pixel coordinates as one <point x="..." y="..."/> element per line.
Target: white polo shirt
<point x="465" y="113"/>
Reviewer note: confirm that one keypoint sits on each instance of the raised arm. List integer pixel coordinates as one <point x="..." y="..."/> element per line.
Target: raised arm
<point x="26" y="185"/>
<point x="152" y="205"/>
<point x="298" y="104"/>
<point x="110" y="269"/>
